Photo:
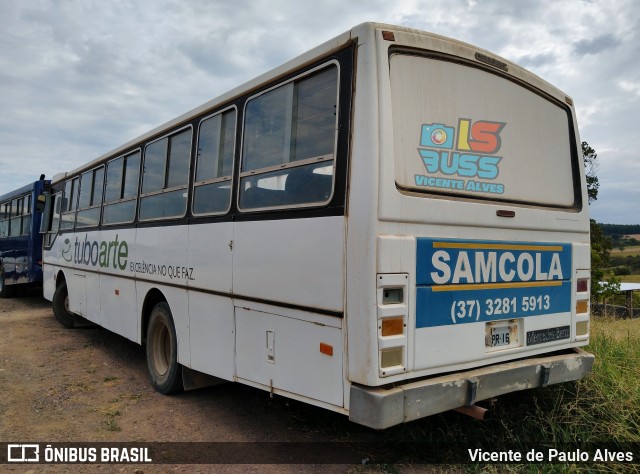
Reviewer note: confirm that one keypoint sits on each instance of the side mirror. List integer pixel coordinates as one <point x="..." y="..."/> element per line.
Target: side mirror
<point x="41" y="202"/>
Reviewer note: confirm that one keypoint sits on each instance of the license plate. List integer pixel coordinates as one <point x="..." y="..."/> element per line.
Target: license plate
<point x="500" y="335"/>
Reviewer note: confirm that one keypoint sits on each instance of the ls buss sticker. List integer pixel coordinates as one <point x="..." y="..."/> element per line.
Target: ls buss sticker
<point x="467" y="162"/>
<point x="468" y="281"/>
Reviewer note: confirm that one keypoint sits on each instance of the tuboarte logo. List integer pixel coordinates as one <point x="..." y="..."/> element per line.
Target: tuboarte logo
<point x="105" y="254"/>
<point x="466" y="161"/>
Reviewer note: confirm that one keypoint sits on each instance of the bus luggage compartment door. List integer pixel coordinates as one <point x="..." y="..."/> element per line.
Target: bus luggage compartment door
<point x="302" y="357"/>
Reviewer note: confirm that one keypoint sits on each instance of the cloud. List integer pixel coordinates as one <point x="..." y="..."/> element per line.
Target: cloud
<point x="81" y="78"/>
<point x="538" y="61"/>
<point x="596" y="45"/>
<point x="629" y="86"/>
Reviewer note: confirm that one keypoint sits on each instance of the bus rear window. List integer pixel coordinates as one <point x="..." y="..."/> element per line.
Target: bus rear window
<point x="465" y="132"/>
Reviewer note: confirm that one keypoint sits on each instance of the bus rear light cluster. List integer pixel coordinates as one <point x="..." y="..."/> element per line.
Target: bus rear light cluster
<point x="392" y="313"/>
<point x="582" y="328"/>
<point x="391" y="357"/>
<point x="582" y="285"/>
<point x="392" y="326"/>
<point x="582" y="305"/>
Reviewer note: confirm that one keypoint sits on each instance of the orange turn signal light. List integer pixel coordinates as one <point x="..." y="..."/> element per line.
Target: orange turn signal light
<point x="392" y="326"/>
<point x="582" y="306"/>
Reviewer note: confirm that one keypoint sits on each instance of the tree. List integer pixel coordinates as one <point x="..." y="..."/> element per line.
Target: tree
<point x="603" y="282"/>
<point x="591" y="167"/>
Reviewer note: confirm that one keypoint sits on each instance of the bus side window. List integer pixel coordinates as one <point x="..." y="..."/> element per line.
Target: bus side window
<point x="214" y="164"/>
<point x="15" y="223"/>
<point x="52" y="225"/>
<point x="165" y="177"/>
<point x="4" y="222"/>
<point x="26" y="214"/>
<point x="121" y="189"/>
<point x="68" y="217"/>
<point x="90" y="199"/>
<point x="289" y="143"/>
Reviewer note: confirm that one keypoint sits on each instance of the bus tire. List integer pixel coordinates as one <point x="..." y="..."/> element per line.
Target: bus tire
<point x="162" y="351"/>
<point x="5" y="291"/>
<point x="60" y="305"/>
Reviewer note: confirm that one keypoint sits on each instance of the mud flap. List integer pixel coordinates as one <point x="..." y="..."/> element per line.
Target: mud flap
<point x="193" y="379"/>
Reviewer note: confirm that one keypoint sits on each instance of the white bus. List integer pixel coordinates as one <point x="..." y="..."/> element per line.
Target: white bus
<point x="392" y="225"/>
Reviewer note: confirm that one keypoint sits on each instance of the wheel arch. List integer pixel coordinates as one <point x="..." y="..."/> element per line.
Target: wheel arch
<point x="153" y="297"/>
<point x="60" y="278"/>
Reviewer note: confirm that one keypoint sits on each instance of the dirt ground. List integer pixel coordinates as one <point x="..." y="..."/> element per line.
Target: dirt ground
<point x="89" y="385"/>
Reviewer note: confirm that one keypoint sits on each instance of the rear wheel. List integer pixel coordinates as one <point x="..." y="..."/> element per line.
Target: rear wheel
<point x="162" y="351"/>
<point x="60" y="305"/>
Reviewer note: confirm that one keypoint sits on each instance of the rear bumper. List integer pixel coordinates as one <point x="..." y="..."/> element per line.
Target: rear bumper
<point x="381" y="408"/>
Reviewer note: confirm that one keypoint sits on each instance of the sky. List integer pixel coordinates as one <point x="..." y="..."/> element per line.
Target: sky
<point x="79" y="78"/>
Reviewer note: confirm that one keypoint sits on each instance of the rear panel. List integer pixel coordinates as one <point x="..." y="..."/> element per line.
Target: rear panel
<point x="482" y="245"/>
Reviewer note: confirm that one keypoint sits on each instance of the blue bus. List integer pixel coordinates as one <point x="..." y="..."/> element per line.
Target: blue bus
<point x="20" y="238"/>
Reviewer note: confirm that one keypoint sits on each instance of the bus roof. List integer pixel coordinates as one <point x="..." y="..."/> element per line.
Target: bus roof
<point x="17" y="192"/>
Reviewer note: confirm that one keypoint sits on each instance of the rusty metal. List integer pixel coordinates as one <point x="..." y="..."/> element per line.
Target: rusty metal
<point x="474" y="411"/>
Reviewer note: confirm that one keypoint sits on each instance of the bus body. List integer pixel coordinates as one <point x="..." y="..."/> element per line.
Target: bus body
<point x="20" y="238"/>
<point x="392" y="225"/>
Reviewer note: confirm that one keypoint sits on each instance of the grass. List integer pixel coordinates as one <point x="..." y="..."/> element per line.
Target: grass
<point x="111" y="423"/>
<point x="626" y="251"/>
<point x="607" y="404"/>
<point x="630" y="278"/>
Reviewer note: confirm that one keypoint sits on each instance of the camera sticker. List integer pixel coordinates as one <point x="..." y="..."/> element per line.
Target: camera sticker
<point x="437" y="135"/>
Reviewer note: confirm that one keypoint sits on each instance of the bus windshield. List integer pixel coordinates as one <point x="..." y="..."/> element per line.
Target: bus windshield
<point x="464" y="131"/>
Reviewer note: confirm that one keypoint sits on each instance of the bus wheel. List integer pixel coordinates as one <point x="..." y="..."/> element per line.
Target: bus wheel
<point x="162" y="351"/>
<point x="60" y="305"/>
<point x="5" y="291"/>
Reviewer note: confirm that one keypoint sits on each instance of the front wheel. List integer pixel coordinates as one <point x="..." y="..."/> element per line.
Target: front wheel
<point x="60" y="305"/>
<point x="162" y="351"/>
<point x="5" y="291"/>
